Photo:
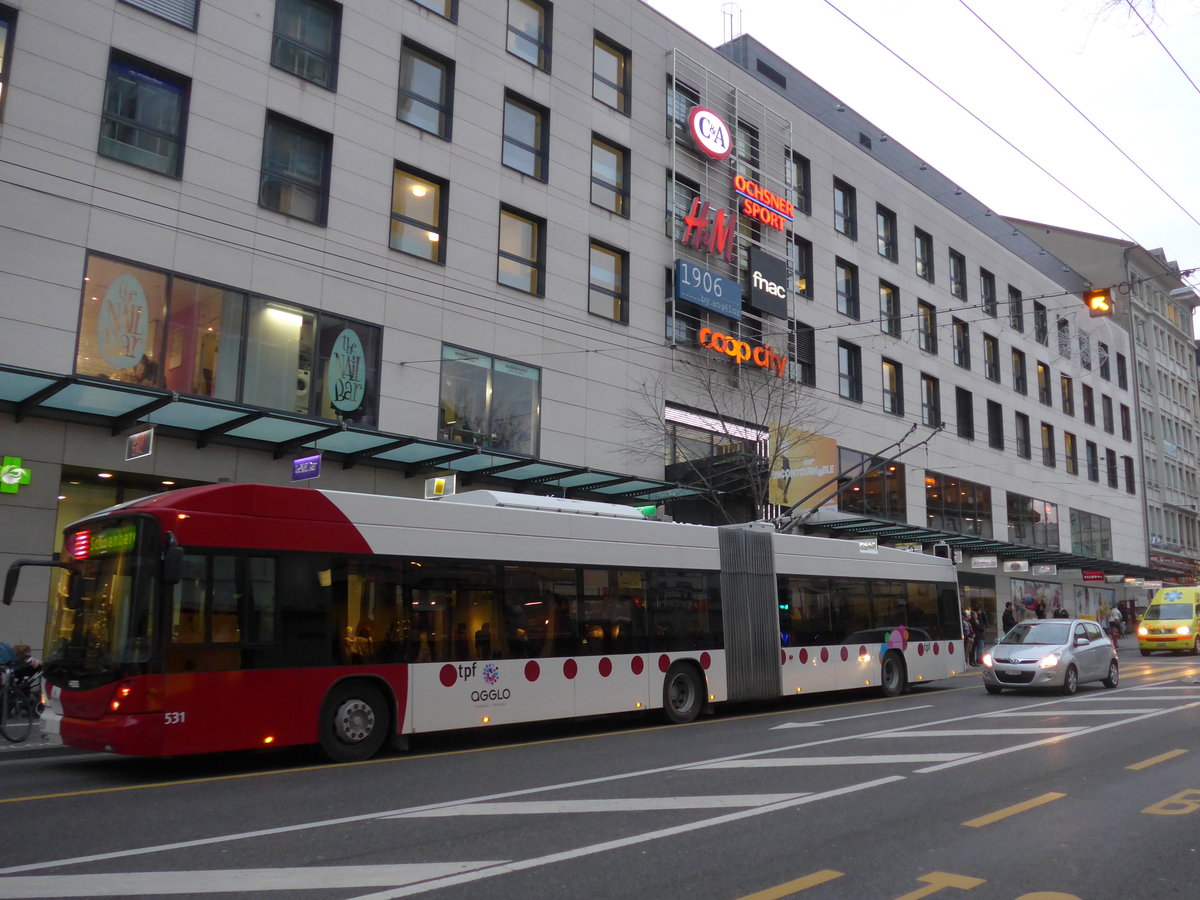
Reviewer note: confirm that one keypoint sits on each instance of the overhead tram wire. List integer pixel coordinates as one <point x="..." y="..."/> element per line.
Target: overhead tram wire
<point x="1182" y="71"/>
<point x="1081" y="113"/>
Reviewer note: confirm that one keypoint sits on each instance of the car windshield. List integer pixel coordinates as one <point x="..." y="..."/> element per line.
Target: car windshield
<point x="1038" y="633"/>
<point x="1160" y="611"/>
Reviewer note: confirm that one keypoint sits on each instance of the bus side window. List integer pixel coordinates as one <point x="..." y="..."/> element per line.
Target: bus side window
<point x="226" y="629"/>
<point x="188" y="602"/>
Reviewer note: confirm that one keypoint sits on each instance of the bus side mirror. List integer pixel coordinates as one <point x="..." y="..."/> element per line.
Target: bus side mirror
<point x="172" y="571"/>
<point x="74" y="590"/>
<point x="10" y="583"/>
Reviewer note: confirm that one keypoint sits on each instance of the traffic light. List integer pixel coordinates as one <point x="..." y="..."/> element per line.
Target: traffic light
<point x="1099" y="302"/>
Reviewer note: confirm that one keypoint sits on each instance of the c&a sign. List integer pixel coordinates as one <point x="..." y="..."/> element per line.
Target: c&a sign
<point x="709" y="131"/>
<point x="742" y="351"/>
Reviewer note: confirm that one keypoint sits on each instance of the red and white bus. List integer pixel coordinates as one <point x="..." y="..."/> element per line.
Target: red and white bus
<point x="236" y="616"/>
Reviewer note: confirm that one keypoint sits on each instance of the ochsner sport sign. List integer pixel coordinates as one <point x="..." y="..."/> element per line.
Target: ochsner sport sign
<point x="711" y="134"/>
<point x="741" y="351"/>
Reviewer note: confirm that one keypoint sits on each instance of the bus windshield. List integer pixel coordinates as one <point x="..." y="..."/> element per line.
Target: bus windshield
<point x="106" y="635"/>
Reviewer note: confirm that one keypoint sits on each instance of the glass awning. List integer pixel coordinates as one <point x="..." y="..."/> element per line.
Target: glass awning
<point x="122" y="407"/>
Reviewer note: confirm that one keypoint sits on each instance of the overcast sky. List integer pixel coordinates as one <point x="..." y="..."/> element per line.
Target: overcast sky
<point x="1104" y="61"/>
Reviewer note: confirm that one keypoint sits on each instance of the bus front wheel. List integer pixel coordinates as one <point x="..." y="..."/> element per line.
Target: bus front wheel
<point x="354" y="722"/>
<point x="683" y="694"/>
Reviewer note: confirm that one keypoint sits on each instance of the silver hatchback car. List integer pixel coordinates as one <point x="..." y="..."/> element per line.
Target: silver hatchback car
<point x="1051" y="653"/>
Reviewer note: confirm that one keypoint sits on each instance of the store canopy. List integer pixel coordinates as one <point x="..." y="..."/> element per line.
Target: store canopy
<point x="123" y="407"/>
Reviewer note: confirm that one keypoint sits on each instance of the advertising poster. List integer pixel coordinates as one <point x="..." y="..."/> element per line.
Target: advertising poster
<point x="804" y="462"/>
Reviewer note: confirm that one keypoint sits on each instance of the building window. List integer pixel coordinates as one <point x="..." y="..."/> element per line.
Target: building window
<point x="1041" y="324"/>
<point x="1130" y="480"/>
<point x="923" y="242"/>
<point x="1089" y="405"/>
<point x="1016" y="309"/>
<point x="802" y="352"/>
<point x="995" y="425"/>
<point x="745" y="150"/>
<point x="305" y="42"/>
<point x="964" y="406"/>
<point x="181" y="12"/>
<point x="800" y="171"/>
<point x="962" y="343"/>
<point x="608" y="283"/>
<point x="957" y="505"/>
<point x="1085" y="349"/>
<point x="610" y="176"/>
<point x="295" y="169"/>
<point x="1064" y="338"/>
<point x="987" y="292"/>
<point x="800" y="256"/>
<point x="610" y="74"/>
<point x="529" y="32"/>
<point x="849" y="371"/>
<point x="526" y="147"/>
<point x="1105" y="369"/>
<point x="1110" y="465"/>
<point x="1093" y="460"/>
<point x="426" y="92"/>
<point x="1126" y="423"/>
<point x="418" y="215"/>
<point x="847" y="288"/>
<point x="1071" y="453"/>
<point x="145" y="109"/>
<point x="8" y="21"/>
<point x="927" y="327"/>
<point x="1122" y="373"/>
<point x="1091" y="535"/>
<point x="681" y="196"/>
<point x="521" y="254"/>
<point x="489" y="402"/>
<point x="871" y="486"/>
<point x="958" y="275"/>
<point x="844" y="202"/>
<point x="1024" y="448"/>
<point x="885" y="233"/>
<point x="1106" y="414"/>
<point x="991" y="358"/>
<point x="1018" y="372"/>
<point x="1031" y="522"/>
<point x="931" y="401"/>
<point x="447" y="9"/>
<point x="1045" y="390"/>
<point x="893" y="387"/>
<point x="1048" y="451"/>
<point x="680" y="100"/>
<point x="889" y="309"/>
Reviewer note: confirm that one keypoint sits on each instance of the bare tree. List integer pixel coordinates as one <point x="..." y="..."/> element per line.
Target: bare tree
<point x="760" y="420"/>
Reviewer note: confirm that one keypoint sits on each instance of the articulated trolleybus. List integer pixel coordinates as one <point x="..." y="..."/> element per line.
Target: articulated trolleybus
<point x="237" y="616"/>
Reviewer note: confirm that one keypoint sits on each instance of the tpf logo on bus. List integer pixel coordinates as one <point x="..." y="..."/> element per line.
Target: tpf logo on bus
<point x="490" y="693"/>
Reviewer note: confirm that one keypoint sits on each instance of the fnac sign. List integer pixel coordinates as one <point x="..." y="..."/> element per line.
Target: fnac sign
<point x="711" y="134"/>
<point x="741" y="351"/>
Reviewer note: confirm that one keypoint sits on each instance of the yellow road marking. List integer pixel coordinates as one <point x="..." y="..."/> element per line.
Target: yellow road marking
<point x="794" y="887"/>
<point x="1013" y="810"/>
<point x="1155" y="760"/>
<point x="935" y="881"/>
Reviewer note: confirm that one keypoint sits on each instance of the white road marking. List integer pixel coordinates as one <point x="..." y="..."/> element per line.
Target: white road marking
<point x="632" y="840"/>
<point x="1166" y="687"/>
<point x="617" y="804"/>
<point x="1066" y="712"/>
<point x="784" y="761"/>
<point x="1138" y="698"/>
<point x="229" y="881"/>
<point x="882" y="712"/>
<point x="970" y="732"/>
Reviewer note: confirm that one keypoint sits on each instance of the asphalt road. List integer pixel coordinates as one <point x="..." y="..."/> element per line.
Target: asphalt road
<point x="942" y="792"/>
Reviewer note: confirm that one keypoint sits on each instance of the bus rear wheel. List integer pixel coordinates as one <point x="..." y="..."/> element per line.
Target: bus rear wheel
<point x="354" y="722"/>
<point x="683" y="694"/>
<point x="892" y="677"/>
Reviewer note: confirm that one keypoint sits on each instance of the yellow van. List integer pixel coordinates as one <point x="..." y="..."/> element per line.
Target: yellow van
<point x="1172" y="621"/>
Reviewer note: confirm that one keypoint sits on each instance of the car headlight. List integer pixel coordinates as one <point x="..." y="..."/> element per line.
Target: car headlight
<point x="1143" y="631"/>
<point x="1049" y="661"/>
<point x="1183" y="630"/>
<point x="987" y="660"/>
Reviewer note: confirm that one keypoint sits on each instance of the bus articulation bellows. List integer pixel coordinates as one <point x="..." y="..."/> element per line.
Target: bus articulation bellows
<point x="238" y="616"/>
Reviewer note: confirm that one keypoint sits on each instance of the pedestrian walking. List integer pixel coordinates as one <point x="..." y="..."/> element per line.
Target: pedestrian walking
<point x="980" y="623"/>
<point x="1009" y="619"/>
<point x="968" y="631"/>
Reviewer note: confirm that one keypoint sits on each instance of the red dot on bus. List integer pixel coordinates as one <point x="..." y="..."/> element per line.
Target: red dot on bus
<point x="782" y="657"/>
<point x="824" y="654"/>
<point x="637" y="665"/>
<point x="448" y="675"/>
<point x="705" y="660"/>
<point x="605" y="667"/>
<point x="804" y="657"/>
<point x="862" y="651"/>
<point x="664" y="662"/>
<point x="936" y="650"/>
<point x="845" y="654"/>
<point x="920" y="649"/>
<point x="532" y="670"/>
<point x="570" y="669"/>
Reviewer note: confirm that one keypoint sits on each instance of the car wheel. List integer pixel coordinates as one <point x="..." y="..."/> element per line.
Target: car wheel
<point x="993" y="688"/>
<point x="892" y="677"/>
<point x="1114" y="675"/>
<point x="1070" y="681"/>
<point x="1144" y="652"/>
<point x="354" y="721"/>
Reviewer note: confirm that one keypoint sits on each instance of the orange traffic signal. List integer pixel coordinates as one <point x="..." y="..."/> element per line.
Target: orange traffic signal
<point x="1099" y="302"/>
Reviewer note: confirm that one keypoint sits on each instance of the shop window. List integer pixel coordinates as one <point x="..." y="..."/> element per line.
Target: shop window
<point x="120" y="326"/>
<point x="204" y="340"/>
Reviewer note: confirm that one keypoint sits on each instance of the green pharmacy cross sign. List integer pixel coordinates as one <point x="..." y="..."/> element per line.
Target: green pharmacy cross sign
<point x="12" y="475"/>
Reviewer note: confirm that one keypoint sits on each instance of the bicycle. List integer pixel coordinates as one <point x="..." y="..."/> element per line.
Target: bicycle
<point x="18" y="709"/>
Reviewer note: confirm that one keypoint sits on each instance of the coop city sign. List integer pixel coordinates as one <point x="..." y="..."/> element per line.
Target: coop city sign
<point x="741" y="351"/>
